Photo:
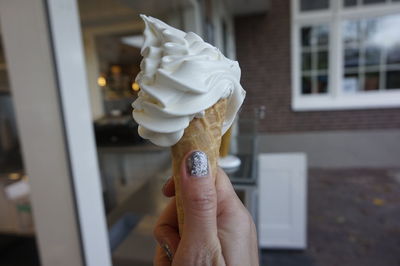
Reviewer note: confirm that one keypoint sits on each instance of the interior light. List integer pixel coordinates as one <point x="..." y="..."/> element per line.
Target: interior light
<point x="135" y="86"/>
<point x="14" y="176"/>
<point x="101" y="81"/>
<point x="115" y="69"/>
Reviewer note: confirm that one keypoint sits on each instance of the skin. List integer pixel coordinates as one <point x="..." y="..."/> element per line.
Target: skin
<point x="218" y="229"/>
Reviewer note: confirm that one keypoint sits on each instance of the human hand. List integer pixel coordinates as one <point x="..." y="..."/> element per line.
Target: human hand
<point x="218" y="229"/>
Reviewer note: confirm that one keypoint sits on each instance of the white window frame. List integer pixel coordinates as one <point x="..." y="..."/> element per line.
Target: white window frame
<point x="336" y="99"/>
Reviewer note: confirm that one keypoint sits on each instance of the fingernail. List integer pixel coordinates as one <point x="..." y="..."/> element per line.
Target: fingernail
<point x="167" y="250"/>
<point x="197" y="164"/>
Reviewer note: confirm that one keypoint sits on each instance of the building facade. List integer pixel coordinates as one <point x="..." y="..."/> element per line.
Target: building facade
<point x="328" y="75"/>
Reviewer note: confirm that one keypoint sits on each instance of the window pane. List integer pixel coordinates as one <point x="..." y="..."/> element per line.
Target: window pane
<point x="393" y="80"/>
<point x="372" y="56"/>
<point x="322" y="84"/>
<point x="350" y="3"/>
<point x="306" y="61"/>
<point x="393" y="56"/>
<point x="351" y="57"/>
<point x="322" y="60"/>
<point x="314" y="59"/>
<point x="351" y="83"/>
<point x="308" y="5"/>
<point x="306" y="85"/>
<point x="371" y="28"/>
<point x="321" y="35"/>
<point x="367" y="2"/>
<point x="372" y="45"/>
<point x="306" y="36"/>
<point x="371" y="81"/>
<point x="351" y="32"/>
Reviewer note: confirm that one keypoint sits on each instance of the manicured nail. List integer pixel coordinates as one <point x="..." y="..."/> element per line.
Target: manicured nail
<point x="167" y="250"/>
<point x="197" y="164"/>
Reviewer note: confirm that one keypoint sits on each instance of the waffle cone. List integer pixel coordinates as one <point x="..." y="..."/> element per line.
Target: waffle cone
<point x="202" y="134"/>
<point x="225" y="143"/>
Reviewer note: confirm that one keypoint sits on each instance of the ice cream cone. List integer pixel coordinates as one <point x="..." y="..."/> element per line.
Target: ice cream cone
<point x="202" y="134"/>
<point x="225" y="143"/>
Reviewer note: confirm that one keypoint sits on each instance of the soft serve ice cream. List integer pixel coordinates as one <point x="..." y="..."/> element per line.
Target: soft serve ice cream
<point x="181" y="76"/>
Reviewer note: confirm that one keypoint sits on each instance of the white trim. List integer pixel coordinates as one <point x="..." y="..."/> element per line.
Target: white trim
<point x="336" y="98"/>
<point x="48" y="82"/>
<point x="33" y="84"/>
<point x="70" y="65"/>
<point x="367" y="100"/>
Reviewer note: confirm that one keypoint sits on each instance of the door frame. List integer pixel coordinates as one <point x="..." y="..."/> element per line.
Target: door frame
<point x="46" y="68"/>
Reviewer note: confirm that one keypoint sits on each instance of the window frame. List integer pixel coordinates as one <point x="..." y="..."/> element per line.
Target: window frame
<point x="336" y="98"/>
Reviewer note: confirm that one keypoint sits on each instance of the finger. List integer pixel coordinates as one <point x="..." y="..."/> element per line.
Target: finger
<point x="161" y="258"/>
<point x="199" y="198"/>
<point x="226" y="195"/>
<point x="169" y="188"/>
<point x="166" y="230"/>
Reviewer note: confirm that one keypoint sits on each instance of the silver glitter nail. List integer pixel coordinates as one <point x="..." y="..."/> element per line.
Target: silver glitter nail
<point x="167" y="251"/>
<point x="197" y="164"/>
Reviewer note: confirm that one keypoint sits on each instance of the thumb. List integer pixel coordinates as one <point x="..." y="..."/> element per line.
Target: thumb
<point x="199" y="197"/>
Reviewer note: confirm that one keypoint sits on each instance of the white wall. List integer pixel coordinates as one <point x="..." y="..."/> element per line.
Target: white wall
<point x="340" y="149"/>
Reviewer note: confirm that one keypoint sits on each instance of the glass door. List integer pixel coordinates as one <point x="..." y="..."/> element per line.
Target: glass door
<point x="95" y="185"/>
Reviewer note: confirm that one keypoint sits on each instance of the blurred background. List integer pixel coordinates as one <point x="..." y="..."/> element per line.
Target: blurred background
<point x="317" y="139"/>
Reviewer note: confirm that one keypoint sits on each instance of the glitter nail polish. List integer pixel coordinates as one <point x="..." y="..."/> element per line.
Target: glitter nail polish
<point x="197" y="164"/>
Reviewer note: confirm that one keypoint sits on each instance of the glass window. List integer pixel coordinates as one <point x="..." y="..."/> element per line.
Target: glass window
<point x="322" y="84"/>
<point x="351" y="82"/>
<point x="310" y="5"/>
<point x="351" y="33"/>
<point x="306" y="85"/>
<point x="367" y="2"/>
<point x="371" y="81"/>
<point x="393" y="79"/>
<point x="351" y="3"/>
<point x="322" y="60"/>
<point x="393" y="54"/>
<point x="371" y="53"/>
<point x="314" y="59"/>
<point x="348" y="3"/>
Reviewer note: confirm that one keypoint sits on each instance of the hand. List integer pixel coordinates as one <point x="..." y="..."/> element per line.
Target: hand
<point x="218" y="229"/>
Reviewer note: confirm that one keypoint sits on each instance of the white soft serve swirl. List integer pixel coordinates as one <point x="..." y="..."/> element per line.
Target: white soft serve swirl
<point x="181" y="76"/>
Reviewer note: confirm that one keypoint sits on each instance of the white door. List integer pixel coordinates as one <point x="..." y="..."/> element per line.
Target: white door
<point x="282" y="200"/>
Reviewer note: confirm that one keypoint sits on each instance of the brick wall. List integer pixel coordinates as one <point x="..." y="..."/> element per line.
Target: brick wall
<point x="263" y="51"/>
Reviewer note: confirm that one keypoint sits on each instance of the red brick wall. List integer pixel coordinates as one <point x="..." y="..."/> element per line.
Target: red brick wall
<point x="263" y="51"/>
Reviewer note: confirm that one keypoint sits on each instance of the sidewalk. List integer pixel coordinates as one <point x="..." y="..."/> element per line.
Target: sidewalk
<point x="353" y="220"/>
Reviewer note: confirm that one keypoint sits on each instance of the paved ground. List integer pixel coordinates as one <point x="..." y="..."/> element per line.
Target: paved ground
<point x="354" y="220"/>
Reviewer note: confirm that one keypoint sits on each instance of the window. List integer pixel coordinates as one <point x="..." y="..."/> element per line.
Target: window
<point x="314" y="58"/>
<point x="371" y="54"/>
<point x="308" y="5"/>
<point x="346" y="54"/>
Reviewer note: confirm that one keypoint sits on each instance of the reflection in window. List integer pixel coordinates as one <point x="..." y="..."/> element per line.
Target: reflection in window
<point x="351" y="82"/>
<point x="371" y="55"/>
<point x="308" y="5"/>
<point x="371" y="81"/>
<point x="314" y="59"/>
<point x="350" y="3"/>
<point x="393" y="79"/>
<point x="367" y="2"/>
